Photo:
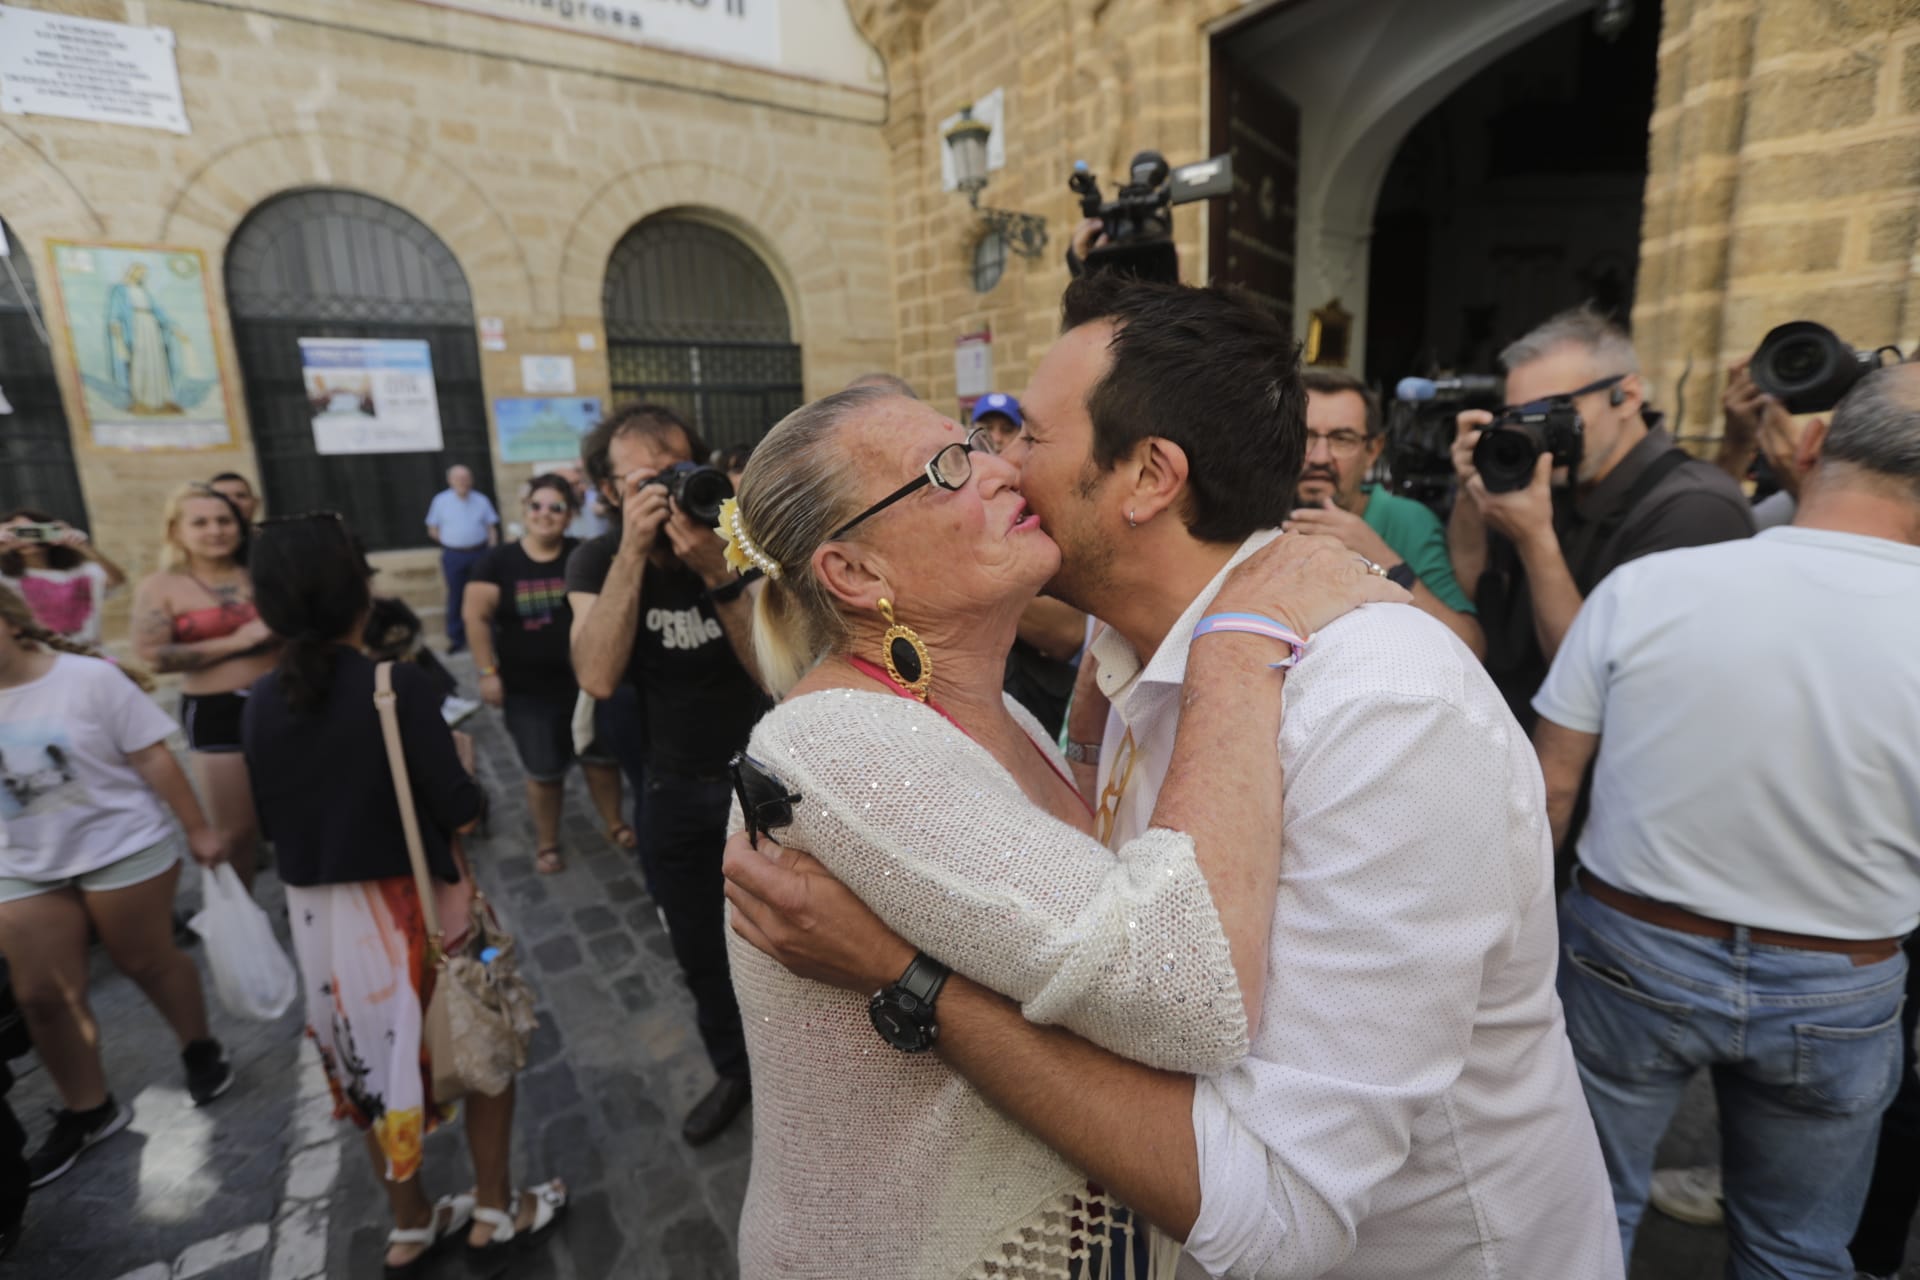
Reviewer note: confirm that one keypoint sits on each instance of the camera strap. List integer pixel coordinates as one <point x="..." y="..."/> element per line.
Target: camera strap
<point x="1657" y="470"/>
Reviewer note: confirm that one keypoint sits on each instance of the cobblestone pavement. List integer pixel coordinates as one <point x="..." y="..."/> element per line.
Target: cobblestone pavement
<point x="265" y="1185"/>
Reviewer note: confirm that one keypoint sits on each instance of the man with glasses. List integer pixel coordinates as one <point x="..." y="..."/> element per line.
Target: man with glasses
<point x="1528" y="557"/>
<point x="1344" y="441"/>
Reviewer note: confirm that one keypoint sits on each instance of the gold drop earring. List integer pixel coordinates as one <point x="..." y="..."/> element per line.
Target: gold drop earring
<point x="907" y="659"/>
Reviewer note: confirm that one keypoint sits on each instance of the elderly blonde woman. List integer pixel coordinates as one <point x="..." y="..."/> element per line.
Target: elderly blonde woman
<point x="898" y="560"/>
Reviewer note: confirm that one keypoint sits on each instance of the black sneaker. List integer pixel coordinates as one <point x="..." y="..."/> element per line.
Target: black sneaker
<point x="73" y="1132"/>
<point x="208" y="1073"/>
<point x="712" y="1114"/>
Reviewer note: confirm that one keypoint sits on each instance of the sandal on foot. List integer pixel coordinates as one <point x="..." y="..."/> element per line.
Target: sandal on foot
<point x="623" y="835"/>
<point x="549" y="1202"/>
<point x="450" y="1214"/>
<point x="548" y="861"/>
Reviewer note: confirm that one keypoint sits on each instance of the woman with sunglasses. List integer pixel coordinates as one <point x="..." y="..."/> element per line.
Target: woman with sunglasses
<point x="196" y="617"/>
<point x="885" y="621"/>
<point x="518" y="622"/>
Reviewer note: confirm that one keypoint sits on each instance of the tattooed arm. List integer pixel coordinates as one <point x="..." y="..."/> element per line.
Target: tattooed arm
<point x="153" y="635"/>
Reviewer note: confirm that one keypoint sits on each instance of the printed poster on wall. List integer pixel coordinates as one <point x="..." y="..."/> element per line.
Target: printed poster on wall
<point x="141" y="335"/>
<point x="536" y="430"/>
<point x="371" y="395"/>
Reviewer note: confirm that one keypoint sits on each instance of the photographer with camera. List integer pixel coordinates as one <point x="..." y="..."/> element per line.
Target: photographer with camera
<point x="656" y="606"/>
<point x="1528" y="549"/>
<point x="1344" y="441"/>
<point x="1753" y="860"/>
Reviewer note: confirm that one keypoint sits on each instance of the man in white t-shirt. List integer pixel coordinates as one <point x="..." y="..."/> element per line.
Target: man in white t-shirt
<point x="1751" y="862"/>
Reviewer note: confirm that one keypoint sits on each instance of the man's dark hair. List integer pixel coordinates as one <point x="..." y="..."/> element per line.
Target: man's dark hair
<point x="1333" y="382"/>
<point x="232" y="475"/>
<point x="655" y="421"/>
<point x="1206" y="369"/>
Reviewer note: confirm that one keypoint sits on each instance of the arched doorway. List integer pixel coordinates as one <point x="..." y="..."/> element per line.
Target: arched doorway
<point x="1517" y="196"/>
<point x="340" y="264"/>
<point x="697" y="321"/>
<point x="36" y="449"/>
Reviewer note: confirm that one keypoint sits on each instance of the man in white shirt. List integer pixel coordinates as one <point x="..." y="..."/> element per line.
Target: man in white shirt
<point x="1752" y="858"/>
<point x="1411" y="1107"/>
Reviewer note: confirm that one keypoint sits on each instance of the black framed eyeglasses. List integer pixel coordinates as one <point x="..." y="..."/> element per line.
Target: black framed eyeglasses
<point x="949" y="469"/>
<point x="1598" y="384"/>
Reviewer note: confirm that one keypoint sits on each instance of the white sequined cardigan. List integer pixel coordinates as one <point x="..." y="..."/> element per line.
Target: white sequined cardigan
<point x="888" y="1166"/>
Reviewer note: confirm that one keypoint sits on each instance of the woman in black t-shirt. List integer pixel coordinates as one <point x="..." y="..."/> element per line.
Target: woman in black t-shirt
<point x="518" y="622"/>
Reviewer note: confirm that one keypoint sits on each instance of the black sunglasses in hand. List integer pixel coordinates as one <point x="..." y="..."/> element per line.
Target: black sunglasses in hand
<point x="765" y="801"/>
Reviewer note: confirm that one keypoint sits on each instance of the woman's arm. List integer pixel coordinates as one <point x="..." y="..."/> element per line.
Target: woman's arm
<point x="477" y="607"/>
<point x="153" y="634"/>
<point x="160" y="771"/>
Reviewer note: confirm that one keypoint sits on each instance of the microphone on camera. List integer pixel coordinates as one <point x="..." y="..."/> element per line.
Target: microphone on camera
<point x="1471" y="386"/>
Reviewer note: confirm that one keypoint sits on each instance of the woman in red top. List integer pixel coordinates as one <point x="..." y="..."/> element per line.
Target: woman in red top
<point x="196" y="617"/>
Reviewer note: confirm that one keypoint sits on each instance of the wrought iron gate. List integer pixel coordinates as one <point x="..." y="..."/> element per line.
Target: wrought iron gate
<point x="339" y="264"/>
<point x="695" y="320"/>
<point x="36" y="449"/>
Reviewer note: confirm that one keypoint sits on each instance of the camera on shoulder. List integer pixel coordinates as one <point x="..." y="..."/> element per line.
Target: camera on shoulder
<point x="1138" y="221"/>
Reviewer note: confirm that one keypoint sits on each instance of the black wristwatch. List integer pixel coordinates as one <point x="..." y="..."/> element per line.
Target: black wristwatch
<point x="903" y="1012"/>
<point x="1403" y="576"/>
<point x="729" y="592"/>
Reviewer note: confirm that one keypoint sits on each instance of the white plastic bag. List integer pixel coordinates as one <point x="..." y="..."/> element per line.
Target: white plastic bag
<point x="251" y="974"/>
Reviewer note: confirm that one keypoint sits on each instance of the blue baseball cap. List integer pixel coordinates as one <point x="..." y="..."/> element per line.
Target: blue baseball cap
<point x="998" y="402"/>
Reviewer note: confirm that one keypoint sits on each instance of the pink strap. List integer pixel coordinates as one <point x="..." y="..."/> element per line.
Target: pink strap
<point x="873" y="671"/>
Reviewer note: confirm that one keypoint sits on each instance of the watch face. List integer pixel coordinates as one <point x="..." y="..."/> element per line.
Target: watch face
<point x="896" y="1024"/>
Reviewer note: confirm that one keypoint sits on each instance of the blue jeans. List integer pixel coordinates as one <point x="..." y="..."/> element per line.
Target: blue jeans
<point x="457" y="566"/>
<point x="1804" y="1051"/>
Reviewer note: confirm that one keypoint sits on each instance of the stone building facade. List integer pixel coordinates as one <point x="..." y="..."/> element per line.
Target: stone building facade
<point x="1781" y="175"/>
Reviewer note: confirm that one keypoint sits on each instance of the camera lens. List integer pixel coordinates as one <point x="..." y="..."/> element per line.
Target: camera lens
<point x="1798" y="361"/>
<point x="1505" y="456"/>
<point x="701" y="493"/>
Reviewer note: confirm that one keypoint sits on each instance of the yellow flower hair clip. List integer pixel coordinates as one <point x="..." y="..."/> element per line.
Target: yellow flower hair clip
<point x="741" y="553"/>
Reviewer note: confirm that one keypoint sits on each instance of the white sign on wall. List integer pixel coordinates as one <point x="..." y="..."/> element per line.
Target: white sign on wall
<point x="547" y="375"/>
<point x="738" y="30"/>
<point x="55" y="65"/>
<point x="973" y="365"/>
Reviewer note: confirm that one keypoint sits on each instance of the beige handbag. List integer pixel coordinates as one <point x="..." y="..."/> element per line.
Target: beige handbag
<point x="480" y="1018"/>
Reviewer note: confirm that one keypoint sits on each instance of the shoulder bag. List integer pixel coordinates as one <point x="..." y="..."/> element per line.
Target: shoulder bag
<point x="480" y="1017"/>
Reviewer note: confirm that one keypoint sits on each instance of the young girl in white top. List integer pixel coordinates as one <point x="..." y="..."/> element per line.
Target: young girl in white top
<point x="86" y="787"/>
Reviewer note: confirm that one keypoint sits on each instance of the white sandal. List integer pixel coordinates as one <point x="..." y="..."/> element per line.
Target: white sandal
<point x="459" y="1212"/>
<point x="549" y="1202"/>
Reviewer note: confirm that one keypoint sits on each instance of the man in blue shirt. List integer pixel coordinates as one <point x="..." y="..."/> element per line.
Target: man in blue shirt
<point x="465" y="524"/>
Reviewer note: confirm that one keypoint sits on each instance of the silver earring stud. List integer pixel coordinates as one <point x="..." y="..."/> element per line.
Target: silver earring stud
<point x="1131" y="522"/>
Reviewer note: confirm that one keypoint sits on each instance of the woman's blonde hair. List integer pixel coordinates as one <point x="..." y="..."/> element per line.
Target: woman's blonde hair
<point x="173" y="556"/>
<point x="797" y="489"/>
<point x="16" y="615"/>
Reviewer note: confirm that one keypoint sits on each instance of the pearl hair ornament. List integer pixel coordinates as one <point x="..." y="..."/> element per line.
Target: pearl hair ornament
<point x="742" y="554"/>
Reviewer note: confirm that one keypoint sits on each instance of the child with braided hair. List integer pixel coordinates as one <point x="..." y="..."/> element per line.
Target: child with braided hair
<point x="87" y="783"/>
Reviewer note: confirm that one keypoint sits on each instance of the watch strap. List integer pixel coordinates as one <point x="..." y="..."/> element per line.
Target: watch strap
<point x="1403" y="576"/>
<point x="923" y="979"/>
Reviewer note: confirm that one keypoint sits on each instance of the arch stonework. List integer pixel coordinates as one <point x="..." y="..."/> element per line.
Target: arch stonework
<point x="804" y="262"/>
<point x="217" y="197"/>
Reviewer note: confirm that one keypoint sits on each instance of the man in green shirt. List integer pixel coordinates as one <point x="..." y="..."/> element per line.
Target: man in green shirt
<point x="1344" y="440"/>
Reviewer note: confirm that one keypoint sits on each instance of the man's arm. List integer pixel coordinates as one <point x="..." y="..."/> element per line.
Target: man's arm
<point x="1053" y="629"/>
<point x="604" y="621"/>
<point x="493" y="524"/>
<point x="1361" y="538"/>
<point x="702" y="551"/>
<point x="1128" y="1127"/>
<point x="1564" y="756"/>
<point x="1466" y="526"/>
<point x="1526" y="516"/>
<point x="1464" y="625"/>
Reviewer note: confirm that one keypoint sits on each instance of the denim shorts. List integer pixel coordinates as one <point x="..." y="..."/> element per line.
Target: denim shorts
<point x="135" y="868"/>
<point x="542" y="731"/>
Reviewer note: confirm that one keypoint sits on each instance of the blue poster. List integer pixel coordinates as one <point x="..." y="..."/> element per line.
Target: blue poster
<point x="533" y="430"/>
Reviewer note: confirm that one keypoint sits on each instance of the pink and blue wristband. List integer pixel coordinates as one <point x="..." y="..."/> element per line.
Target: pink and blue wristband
<point x="1255" y="624"/>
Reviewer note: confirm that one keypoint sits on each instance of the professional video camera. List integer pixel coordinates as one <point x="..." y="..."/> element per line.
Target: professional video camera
<point x="1419" y="454"/>
<point x="697" y="490"/>
<point x="1807" y="368"/>
<point x="1139" y="218"/>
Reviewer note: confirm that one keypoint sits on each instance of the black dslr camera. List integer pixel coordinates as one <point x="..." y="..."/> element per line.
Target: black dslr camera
<point x="697" y="490"/>
<point x="1807" y="368"/>
<point x="1511" y="446"/>
<point x="1139" y="218"/>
